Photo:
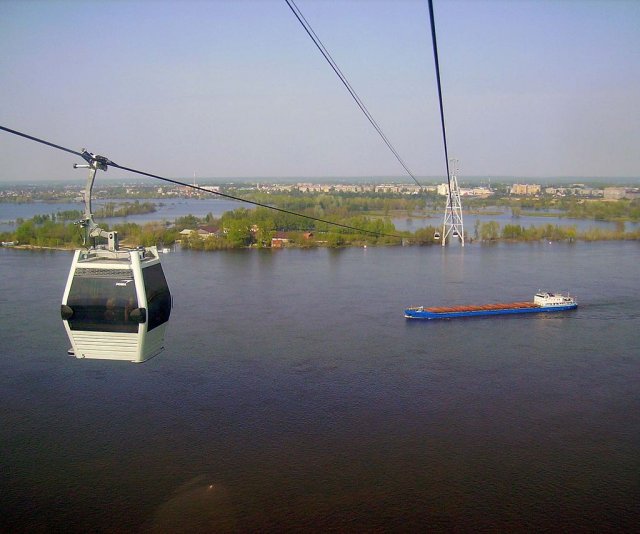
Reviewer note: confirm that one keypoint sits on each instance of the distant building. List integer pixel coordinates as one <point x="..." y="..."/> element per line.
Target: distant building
<point x="480" y="192"/>
<point x="525" y="189"/>
<point x="443" y="190"/>
<point x="209" y="231"/>
<point x="314" y="188"/>
<point x="349" y="188"/>
<point x="280" y="240"/>
<point x="387" y="188"/>
<point x="403" y="189"/>
<point x="615" y="193"/>
<point x="592" y="192"/>
<point x="210" y="188"/>
<point x="575" y="189"/>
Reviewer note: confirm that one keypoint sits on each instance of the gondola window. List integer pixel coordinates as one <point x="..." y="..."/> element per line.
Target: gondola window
<point x="158" y="296"/>
<point x="102" y="301"/>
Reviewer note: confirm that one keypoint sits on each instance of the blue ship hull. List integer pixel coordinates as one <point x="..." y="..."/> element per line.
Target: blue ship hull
<point x="416" y="313"/>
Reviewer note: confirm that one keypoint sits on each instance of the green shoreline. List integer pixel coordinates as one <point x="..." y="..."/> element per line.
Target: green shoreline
<point x="358" y="222"/>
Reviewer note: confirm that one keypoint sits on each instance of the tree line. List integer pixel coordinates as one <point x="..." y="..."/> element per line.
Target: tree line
<point x="257" y="227"/>
<point x="573" y="208"/>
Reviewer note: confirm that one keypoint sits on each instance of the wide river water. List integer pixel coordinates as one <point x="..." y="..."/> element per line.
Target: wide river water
<point x="294" y="396"/>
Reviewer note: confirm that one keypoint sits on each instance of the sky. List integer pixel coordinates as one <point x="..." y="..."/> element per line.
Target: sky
<point x="236" y="89"/>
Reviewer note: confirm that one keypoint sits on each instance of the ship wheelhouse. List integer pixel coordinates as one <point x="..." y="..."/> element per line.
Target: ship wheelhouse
<point x="546" y="299"/>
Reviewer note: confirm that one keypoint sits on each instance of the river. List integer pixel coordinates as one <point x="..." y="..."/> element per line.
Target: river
<point x="504" y="217"/>
<point x="294" y="396"/>
<point x="167" y="209"/>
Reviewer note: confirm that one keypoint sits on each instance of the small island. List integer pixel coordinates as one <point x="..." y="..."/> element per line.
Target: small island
<point x="363" y="216"/>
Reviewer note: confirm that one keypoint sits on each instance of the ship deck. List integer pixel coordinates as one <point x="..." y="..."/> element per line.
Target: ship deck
<point x="483" y="307"/>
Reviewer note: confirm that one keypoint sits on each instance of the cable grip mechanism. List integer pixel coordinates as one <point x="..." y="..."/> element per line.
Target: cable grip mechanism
<point x="91" y="229"/>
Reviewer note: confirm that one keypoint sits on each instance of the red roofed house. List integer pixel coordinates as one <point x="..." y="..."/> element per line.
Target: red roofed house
<point x="279" y="240"/>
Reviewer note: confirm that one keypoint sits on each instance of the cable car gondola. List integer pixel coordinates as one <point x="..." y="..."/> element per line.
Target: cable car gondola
<point x="116" y="303"/>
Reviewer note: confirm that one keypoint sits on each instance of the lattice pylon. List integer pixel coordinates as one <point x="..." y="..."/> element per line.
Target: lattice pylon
<point x="453" y="225"/>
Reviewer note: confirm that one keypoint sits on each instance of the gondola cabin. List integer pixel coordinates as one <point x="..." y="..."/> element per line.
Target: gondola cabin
<point x="116" y="304"/>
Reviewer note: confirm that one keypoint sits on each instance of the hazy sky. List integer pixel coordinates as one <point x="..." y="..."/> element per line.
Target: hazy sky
<point x="237" y="89"/>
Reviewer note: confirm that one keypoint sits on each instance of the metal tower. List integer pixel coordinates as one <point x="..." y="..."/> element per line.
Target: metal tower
<point x="453" y="225"/>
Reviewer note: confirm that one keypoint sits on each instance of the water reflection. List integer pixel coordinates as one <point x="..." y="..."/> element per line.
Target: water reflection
<point x="199" y="505"/>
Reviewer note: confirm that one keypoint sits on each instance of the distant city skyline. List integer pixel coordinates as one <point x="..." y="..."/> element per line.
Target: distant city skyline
<point x="236" y="90"/>
<point x="107" y="181"/>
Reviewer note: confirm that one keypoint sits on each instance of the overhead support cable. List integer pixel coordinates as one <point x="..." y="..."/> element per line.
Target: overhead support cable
<point x="26" y="136"/>
<point x="259" y="204"/>
<point x="316" y="40"/>
<point x="104" y="163"/>
<point x="437" y="64"/>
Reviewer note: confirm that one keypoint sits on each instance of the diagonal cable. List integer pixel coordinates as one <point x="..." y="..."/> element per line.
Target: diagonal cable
<point x="87" y="156"/>
<point x="444" y="132"/>
<point x="53" y="145"/>
<point x="316" y="40"/>
<point x="260" y="204"/>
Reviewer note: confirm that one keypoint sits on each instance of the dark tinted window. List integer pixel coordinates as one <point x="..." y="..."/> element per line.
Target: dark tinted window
<point x="102" y="299"/>
<point x="158" y="296"/>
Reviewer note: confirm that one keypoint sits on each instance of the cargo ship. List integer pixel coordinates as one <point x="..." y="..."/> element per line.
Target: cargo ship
<point x="542" y="302"/>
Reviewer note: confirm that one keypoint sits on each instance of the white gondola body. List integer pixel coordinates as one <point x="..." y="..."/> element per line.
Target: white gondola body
<point x="104" y="290"/>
